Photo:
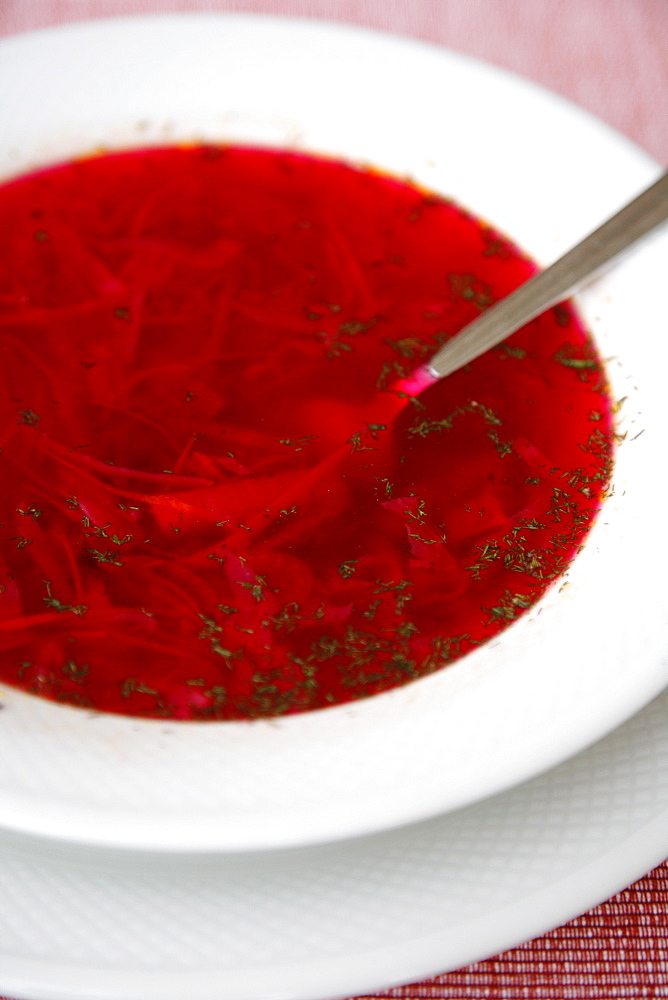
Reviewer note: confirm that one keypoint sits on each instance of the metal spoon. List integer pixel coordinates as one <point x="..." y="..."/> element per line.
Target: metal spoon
<point x="547" y="288"/>
<point x="550" y="286"/>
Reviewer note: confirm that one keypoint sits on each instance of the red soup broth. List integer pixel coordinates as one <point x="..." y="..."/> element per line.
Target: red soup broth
<point x="215" y="503"/>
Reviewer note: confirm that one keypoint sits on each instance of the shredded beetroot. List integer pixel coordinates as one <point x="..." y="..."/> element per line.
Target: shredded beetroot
<point x="216" y="502"/>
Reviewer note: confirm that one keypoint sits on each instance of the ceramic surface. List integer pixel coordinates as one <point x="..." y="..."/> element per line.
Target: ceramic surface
<point x="583" y="660"/>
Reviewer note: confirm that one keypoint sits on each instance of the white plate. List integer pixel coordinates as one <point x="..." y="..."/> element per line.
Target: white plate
<point x="80" y="923"/>
<point x="585" y="659"/>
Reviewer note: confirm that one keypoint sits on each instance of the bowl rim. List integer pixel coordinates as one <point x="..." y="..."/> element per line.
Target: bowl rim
<point x="355" y="769"/>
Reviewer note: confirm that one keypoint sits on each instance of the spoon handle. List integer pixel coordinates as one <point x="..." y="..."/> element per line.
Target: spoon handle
<point x="556" y="282"/>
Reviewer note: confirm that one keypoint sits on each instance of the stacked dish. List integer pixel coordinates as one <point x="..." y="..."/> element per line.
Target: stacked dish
<point x="179" y="810"/>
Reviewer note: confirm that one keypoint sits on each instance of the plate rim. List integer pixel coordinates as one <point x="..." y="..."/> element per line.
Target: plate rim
<point x="627" y="855"/>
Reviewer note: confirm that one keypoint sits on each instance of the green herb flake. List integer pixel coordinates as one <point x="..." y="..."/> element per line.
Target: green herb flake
<point x="76" y="673"/>
<point x="30" y="511"/>
<point x="471" y="289"/>
<point x="28" y="417"/>
<point x="132" y="686"/>
<point x="503" y="447"/>
<point x="509" y="607"/>
<point x="567" y="357"/>
<point x="121" y="541"/>
<point x="53" y="602"/>
<point x="346" y="569"/>
<point x="105" y="557"/>
<point x="355" y="443"/>
<point x="297" y="443"/>
<point x="257" y="589"/>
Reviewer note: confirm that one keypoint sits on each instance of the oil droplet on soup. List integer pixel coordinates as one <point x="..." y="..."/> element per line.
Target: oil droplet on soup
<point x="214" y="504"/>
